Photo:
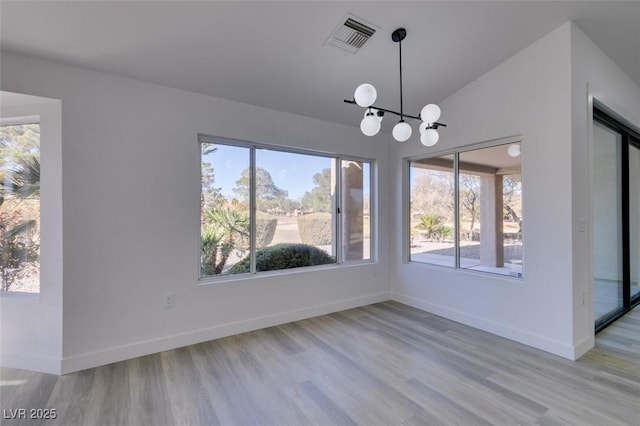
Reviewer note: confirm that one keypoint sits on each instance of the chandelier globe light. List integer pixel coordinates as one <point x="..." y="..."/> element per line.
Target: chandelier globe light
<point x="401" y="131"/>
<point x="430" y="113"/>
<point x="514" y="150"/>
<point x="429" y="137"/>
<point x="370" y="124"/>
<point x="366" y="94"/>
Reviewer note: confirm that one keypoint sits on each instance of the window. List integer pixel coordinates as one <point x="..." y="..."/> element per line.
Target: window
<point x="432" y="210"/>
<point x="466" y="210"/>
<point x="20" y="207"/>
<point x="356" y="203"/>
<point x="308" y="209"/>
<point x="225" y="217"/>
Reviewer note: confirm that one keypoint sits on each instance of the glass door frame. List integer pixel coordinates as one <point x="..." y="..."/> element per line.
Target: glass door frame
<point x="628" y="137"/>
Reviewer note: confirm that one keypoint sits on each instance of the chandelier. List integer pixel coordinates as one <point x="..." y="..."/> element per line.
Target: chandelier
<point x="365" y="95"/>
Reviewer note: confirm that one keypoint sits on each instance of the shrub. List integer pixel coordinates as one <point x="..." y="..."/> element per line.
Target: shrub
<point x="265" y="229"/>
<point x="315" y="228"/>
<point x="266" y="225"/>
<point x="445" y="231"/>
<point x="284" y="256"/>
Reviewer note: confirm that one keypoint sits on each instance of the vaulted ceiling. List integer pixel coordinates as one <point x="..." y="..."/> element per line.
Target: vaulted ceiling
<point x="274" y="54"/>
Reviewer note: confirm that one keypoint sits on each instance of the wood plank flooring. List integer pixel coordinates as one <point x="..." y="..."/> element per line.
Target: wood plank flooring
<point x="619" y="344"/>
<point x="384" y="364"/>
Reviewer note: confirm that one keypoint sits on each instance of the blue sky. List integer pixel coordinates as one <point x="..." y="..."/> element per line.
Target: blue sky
<point x="291" y="172"/>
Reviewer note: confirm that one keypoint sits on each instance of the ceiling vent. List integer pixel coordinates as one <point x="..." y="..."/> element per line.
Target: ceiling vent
<point x="351" y="34"/>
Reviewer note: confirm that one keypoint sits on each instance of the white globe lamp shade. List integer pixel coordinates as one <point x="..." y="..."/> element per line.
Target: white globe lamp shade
<point x="423" y="127"/>
<point x="429" y="137"/>
<point x="513" y="150"/>
<point x="401" y="131"/>
<point x="365" y="95"/>
<point x="430" y="113"/>
<point x="370" y="125"/>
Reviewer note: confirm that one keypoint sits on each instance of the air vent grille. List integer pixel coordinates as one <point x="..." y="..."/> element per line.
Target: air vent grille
<point x="351" y="34"/>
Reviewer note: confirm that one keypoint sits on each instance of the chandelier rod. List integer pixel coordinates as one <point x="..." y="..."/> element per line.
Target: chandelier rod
<point x="400" y="50"/>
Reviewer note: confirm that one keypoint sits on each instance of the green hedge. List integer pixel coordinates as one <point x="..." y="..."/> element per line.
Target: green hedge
<point x="284" y="256"/>
<point x="315" y="228"/>
<point x="265" y="229"/>
<point x="266" y="225"/>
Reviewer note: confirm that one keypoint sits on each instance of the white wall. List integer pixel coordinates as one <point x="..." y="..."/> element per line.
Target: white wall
<point x="31" y="324"/>
<point x="130" y="160"/>
<point x="594" y="76"/>
<point x="528" y="95"/>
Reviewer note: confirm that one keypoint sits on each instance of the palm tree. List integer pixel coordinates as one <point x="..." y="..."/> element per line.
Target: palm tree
<point x="446" y="231"/>
<point x="210" y="237"/>
<point x="22" y="182"/>
<point x="220" y="232"/>
<point x="25" y="178"/>
<point x="431" y="223"/>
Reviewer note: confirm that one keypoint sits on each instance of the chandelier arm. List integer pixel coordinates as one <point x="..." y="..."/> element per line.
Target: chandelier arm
<point x="415" y="117"/>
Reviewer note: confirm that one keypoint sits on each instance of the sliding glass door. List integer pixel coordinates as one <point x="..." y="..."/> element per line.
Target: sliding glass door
<point x="607" y="221"/>
<point x="634" y="218"/>
<point x="616" y="219"/>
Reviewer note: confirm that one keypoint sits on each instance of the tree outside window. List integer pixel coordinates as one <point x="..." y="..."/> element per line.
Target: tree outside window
<point x="20" y="208"/>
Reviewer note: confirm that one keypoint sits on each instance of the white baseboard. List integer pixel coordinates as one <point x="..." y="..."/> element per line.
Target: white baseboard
<point x="31" y="363"/>
<point x="124" y="352"/>
<point x="521" y="336"/>
<point x="134" y="350"/>
<point x="584" y="346"/>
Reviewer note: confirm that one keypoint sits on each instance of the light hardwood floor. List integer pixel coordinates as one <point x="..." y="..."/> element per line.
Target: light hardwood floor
<point x="619" y="345"/>
<point x="384" y="364"/>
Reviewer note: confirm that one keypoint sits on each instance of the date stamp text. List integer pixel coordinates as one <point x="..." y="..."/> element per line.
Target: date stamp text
<point x="29" y="413"/>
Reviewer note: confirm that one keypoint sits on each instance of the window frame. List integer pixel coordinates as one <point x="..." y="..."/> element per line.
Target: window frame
<point x="339" y="158"/>
<point x="21" y="107"/>
<point x="372" y="210"/>
<point x="455" y="152"/>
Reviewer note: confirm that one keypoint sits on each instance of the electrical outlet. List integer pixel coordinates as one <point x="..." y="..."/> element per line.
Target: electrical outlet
<point x="169" y="300"/>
